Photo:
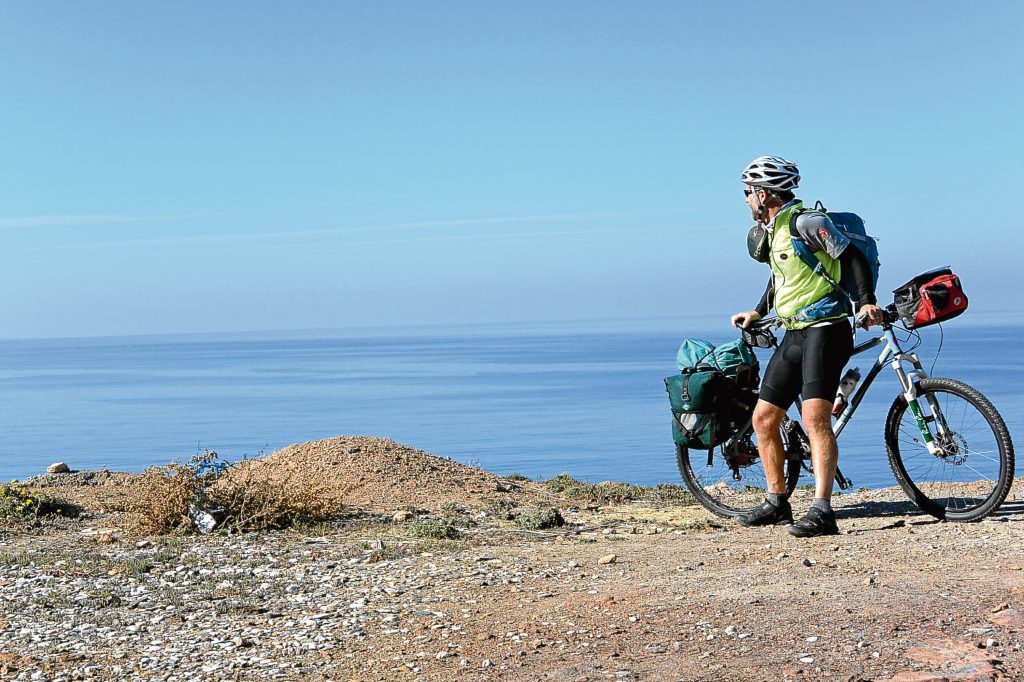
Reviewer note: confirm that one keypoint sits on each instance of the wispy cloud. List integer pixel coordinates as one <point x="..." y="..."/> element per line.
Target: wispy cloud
<point x="291" y="235"/>
<point x="64" y="220"/>
<point x="588" y="235"/>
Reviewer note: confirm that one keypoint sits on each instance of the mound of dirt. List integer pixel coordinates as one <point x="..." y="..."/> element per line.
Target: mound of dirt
<point x="94" y="490"/>
<point x="384" y="475"/>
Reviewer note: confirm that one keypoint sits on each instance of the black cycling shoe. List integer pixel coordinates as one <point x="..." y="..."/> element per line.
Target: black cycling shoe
<point x="815" y="523"/>
<point x="768" y="515"/>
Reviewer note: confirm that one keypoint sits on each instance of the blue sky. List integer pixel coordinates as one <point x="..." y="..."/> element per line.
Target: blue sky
<point x="183" y="167"/>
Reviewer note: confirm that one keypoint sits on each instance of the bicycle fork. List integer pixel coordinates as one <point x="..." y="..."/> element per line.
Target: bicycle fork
<point x="908" y="384"/>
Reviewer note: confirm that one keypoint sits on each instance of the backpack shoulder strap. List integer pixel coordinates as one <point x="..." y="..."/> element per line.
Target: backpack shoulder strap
<point x="804" y="252"/>
<point x="799" y="245"/>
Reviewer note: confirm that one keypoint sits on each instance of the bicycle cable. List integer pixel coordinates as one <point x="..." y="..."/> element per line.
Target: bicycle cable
<point x="911" y="334"/>
<point x="942" y="336"/>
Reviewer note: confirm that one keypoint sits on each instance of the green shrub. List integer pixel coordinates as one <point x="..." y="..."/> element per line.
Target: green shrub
<point x="441" y="529"/>
<point x="19" y="502"/>
<point x="540" y="518"/>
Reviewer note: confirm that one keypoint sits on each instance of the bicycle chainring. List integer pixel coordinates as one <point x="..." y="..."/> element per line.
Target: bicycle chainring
<point x="740" y="453"/>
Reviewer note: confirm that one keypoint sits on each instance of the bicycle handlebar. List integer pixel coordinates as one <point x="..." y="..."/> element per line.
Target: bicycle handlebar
<point x="762" y="324"/>
<point x="889" y="316"/>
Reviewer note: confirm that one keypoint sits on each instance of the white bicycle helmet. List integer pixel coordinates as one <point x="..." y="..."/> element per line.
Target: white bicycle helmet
<point x="771" y="172"/>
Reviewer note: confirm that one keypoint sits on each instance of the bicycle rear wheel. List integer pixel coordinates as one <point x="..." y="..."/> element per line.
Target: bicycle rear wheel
<point x="971" y="474"/>
<point x="732" y="481"/>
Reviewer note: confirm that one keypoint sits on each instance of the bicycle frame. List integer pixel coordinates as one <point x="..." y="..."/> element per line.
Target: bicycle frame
<point x="922" y="458"/>
<point x="895" y="357"/>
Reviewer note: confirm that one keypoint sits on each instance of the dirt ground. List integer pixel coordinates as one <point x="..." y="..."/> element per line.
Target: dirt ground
<point x="638" y="590"/>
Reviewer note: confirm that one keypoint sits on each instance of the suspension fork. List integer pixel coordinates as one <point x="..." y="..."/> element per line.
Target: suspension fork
<point x="908" y="385"/>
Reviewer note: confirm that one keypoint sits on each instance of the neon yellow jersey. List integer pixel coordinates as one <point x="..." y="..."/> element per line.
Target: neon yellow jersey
<point x="796" y="285"/>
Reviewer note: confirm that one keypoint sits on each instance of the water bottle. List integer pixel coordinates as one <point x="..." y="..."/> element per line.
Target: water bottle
<point x="846" y="386"/>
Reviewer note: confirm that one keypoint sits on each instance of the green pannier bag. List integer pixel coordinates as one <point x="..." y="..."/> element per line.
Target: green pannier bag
<point x="695" y="396"/>
<point x="734" y="359"/>
<point x="714" y="382"/>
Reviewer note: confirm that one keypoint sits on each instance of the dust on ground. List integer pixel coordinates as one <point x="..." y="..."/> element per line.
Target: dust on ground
<point x="630" y="590"/>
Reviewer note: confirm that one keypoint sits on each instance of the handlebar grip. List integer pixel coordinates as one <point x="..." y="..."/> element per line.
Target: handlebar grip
<point x="762" y="324"/>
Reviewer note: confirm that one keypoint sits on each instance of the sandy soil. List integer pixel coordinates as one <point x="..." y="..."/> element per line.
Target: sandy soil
<point x="640" y="590"/>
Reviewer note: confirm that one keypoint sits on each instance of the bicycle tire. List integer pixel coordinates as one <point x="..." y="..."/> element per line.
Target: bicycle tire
<point x="746" y="499"/>
<point x="916" y="469"/>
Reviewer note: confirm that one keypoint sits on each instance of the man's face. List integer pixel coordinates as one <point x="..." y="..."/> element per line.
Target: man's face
<point x="755" y="200"/>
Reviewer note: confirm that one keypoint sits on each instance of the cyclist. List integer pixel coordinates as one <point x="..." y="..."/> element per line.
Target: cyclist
<point x="816" y="346"/>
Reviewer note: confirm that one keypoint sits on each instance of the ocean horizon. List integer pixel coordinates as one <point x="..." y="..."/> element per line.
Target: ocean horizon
<point x="538" y="398"/>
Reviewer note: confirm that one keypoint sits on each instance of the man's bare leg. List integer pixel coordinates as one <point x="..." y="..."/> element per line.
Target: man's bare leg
<point x="817" y="418"/>
<point x="766" y="420"/>
<point x="820" y="519"/>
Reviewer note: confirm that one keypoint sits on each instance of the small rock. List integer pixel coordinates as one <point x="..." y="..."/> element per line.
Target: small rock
<point x="1009" y="618"/>
<point x="58" y="468"/>
<point x="943" y="652"/>
<point x="870" y="580"/>
<point x="352" y="449"/>
<point x="809" y="562"/>
<point x="812" y="640"/>
<point x="807" y="659"/>
<point x="608" y="559"/>
<point x="403" y="516"/>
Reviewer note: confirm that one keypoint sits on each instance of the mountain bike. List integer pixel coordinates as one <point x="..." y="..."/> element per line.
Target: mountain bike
<point x="947" y="445"/>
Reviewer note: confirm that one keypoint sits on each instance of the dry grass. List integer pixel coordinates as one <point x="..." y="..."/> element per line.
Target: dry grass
<point x="257" y="495"/>
<point x="159" y="500"/>
<point x="613" y="492"/>
<point x="246" y="496"/>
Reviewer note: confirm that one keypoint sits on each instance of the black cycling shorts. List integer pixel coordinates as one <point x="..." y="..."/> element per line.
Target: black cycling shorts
<point x="808" y="363"/>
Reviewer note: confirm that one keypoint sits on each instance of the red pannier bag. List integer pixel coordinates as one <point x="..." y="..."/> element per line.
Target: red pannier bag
<point x="931" y="297"/>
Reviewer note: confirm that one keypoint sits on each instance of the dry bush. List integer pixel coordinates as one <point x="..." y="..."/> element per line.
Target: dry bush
<point x="257" y="496"/>
<point x="159" y="500"/>
<point x="246" y="496"/>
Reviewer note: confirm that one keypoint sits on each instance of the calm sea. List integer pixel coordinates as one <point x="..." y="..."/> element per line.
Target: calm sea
<point x="586" y="398"/>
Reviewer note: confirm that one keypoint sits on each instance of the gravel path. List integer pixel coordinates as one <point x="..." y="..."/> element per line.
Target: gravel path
<point x="631" y="592"/>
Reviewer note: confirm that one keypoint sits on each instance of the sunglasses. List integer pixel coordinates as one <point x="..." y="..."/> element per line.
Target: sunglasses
<point x="747" y="192"/>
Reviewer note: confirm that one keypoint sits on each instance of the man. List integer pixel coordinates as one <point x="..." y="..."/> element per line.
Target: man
<point x="817" y="344"/>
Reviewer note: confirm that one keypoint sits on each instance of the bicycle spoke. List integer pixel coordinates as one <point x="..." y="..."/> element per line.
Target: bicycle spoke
<point x="964" y="469"/>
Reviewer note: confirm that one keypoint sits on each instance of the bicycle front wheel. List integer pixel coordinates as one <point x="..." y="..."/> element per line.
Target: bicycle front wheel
<point x="971" y="471"/>
<point x="732" y="485"/>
